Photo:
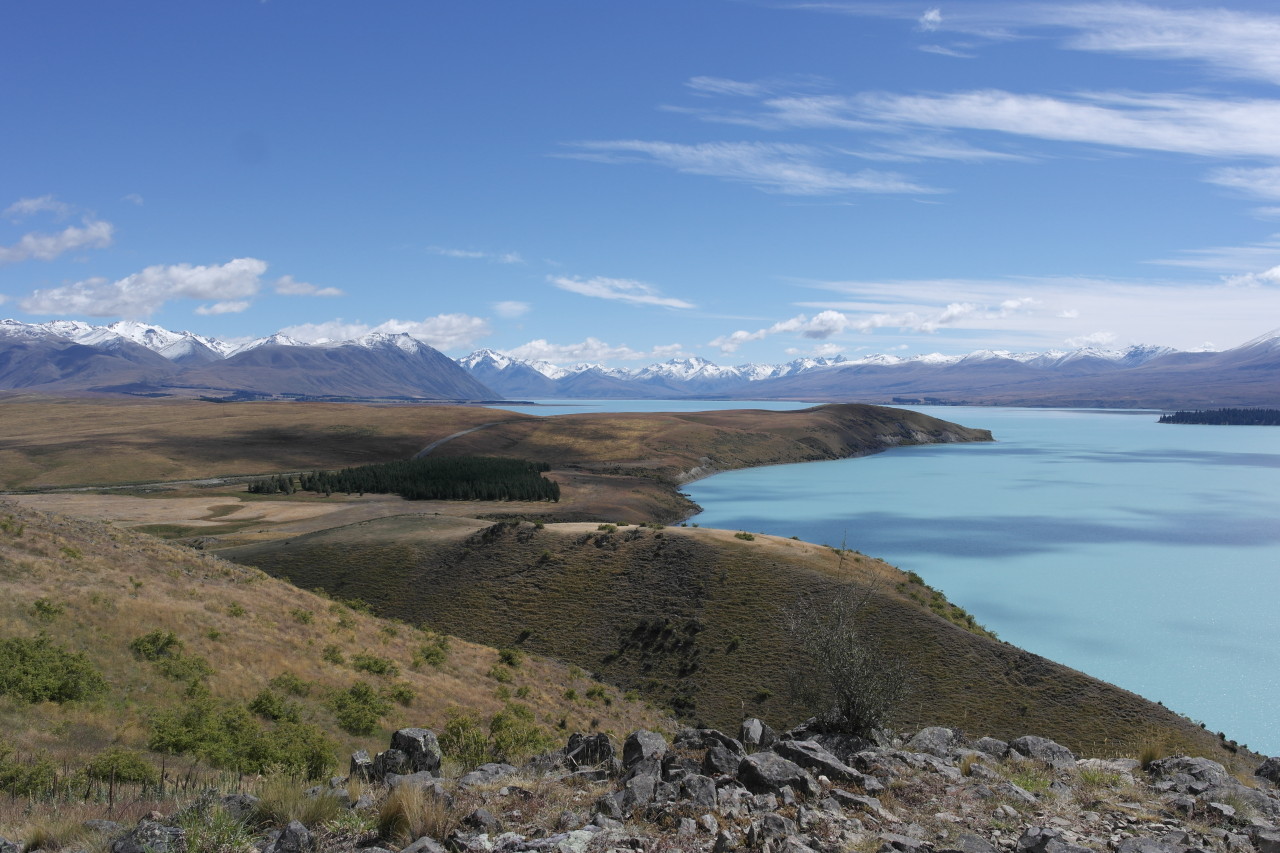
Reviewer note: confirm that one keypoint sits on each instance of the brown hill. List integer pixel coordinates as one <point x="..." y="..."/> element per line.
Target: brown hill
<point x="693" y="618"/>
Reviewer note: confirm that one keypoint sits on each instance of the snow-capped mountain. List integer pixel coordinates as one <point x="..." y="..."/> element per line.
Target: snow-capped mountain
<point x="141" y="357"/>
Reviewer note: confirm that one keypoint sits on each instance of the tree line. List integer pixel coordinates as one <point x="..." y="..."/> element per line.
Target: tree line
<point x="1245" y="417"/>
<point x="464" y="478"/>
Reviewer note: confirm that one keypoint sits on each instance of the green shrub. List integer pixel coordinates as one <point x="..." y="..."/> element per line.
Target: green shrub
<point x="358" y="709"/>
<point x="45" y="610"/>
<point x="500" y="674"/>
<point x="156" y="644"/>
<point x="274" y="707"/>
<point x="375" y="665"/>
<point x="464" y="739"/>
<point x="235" y="610"/>
<point x="287" y="682"/>
<point x="745" y="536"/>
<point x="333" y="654"/>
<point x="229" y="736"/>
<point x="401" y="693"/>
<point x="434" y="652"/>
<point x="514" y="734"/>
<point x="511" y="657"/>
<point x="121" y="765"/>
<point x="37" y="670"/>
<point x="303" y="617"/>
<point x="24" y="780"/>
<point x="184" y="668"/>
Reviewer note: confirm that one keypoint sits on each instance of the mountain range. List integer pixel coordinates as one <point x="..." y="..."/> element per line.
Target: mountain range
<point x="139" y="358"/>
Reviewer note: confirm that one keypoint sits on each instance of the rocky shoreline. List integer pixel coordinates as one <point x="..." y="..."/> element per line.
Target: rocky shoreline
<point x="795" y="792"/>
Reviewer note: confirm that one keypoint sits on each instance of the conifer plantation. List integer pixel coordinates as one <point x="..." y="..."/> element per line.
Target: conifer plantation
<point x="467" y="478"/>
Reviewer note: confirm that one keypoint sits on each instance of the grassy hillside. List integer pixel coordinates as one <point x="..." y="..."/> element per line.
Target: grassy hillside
<point x="692" y="618"/>
<point x="93" y="590"/>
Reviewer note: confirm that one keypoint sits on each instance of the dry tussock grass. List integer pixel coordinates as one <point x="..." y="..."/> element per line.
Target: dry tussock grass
<point x="113" y="585"/>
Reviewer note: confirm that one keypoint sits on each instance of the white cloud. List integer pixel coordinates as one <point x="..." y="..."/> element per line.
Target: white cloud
<point x="287" y="286"/>
<point x="142" y="293"/>
<point x="1038" y="313"/>
<point x="25" y="207"/>
<point x="232" y="307"/>
<point x="592" y="350"/>
<point x="827" y="350"/>
<point x="832" y="322"/>
<point x="773" y="167"/>
<point x="1097" y="339"/>
<point x="1266" y="278"/>
<point x="1229" y="258"/>
<point x="133" y="198"/>
<point x="1264" y="182"/>
<point x="940" y="50"/>
<point x="621" y="289"/>
<point x="724" y="86"/>
<point x="1240" y="43"/>
<point x="511" y="310"/>
<point x="443" y="331"/>
<point x="95" y="234"/>
<point x="476" y="255"/>
<point x="1185" y="124"/>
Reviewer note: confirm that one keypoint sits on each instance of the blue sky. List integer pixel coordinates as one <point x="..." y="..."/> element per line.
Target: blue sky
<point x="629" y="181"/>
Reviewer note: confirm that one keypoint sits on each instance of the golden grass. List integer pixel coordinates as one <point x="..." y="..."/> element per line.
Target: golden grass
<point x="114" y="585"/>
<point x="692" y="618"/>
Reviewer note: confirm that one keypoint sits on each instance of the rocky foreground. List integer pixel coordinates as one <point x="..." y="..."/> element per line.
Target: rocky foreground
<point x="791" y="793"/>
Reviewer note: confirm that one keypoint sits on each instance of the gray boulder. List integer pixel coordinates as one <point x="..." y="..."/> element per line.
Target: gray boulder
<point x="768" y="773"/>
<point x="719" y="761"/>
<point x="392" y="761"/>
<point x="7" y="846"/>
<point x="425" y="844"/>
<point x="755" y="732"/>
<point x="588" y="750"/>
<point x="1266" y="840"/>
<point x="1055" y="755"/>
<point x="770" y="827"/>
<point x="484" y="774"/>
<point x="699" y="791"/>
<point x="422" y="748"/>
<point x="361" y="766"/>
<point x="991" y="746"/>
<point x="935" y="740"/>
<point x="967" y="842"/>
<point x="1270" y="770"/>
<point x="295" y="838"/>
<point x="811" y="755"/>
<point x="151" y="837"/>
<point x="641" y="745"/>
<point x="1044" y="839"/>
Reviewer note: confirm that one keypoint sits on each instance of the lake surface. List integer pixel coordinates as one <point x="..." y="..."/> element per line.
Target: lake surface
<point x="1147" y="555"/>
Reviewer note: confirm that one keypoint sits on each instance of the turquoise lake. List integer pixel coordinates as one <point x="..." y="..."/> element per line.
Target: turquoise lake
<point x="1147" y="555"/>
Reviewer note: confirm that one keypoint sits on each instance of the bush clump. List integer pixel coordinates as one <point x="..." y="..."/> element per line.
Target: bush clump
<point x="229" y="736"/>
<point x="375" y="665"/>
<point x="359" y="708"/>
<point x="121" y="765"/>
<point x="35" y="669"/>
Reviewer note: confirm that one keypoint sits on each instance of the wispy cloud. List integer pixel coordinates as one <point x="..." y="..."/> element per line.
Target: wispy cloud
<point x="511" y="310"/>
<point x="620" y="289"/>
<point x="832" y="322"/>
<point x="476" y="255"/>
<point x="1231" y="259"/>
<point x="590" y="350"/>
<point x="1240" y="43"/>
<point x="286" y="285"/>
<point x="773" y="167"/>
<point x="229" y="285"/>
<point x="443" y="331"/>
<point x="93" y="234"/>
<point x="24" y="207"/>
<point x="1262" y="182"/>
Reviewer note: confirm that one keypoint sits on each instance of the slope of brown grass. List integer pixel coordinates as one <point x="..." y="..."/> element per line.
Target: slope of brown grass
<point x="692" y="617"/>
<point x="112" y="585"/>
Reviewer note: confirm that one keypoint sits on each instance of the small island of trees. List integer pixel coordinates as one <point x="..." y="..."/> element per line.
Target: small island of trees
<point x="464" y="478"/>
<point x="1246" y="417"/>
